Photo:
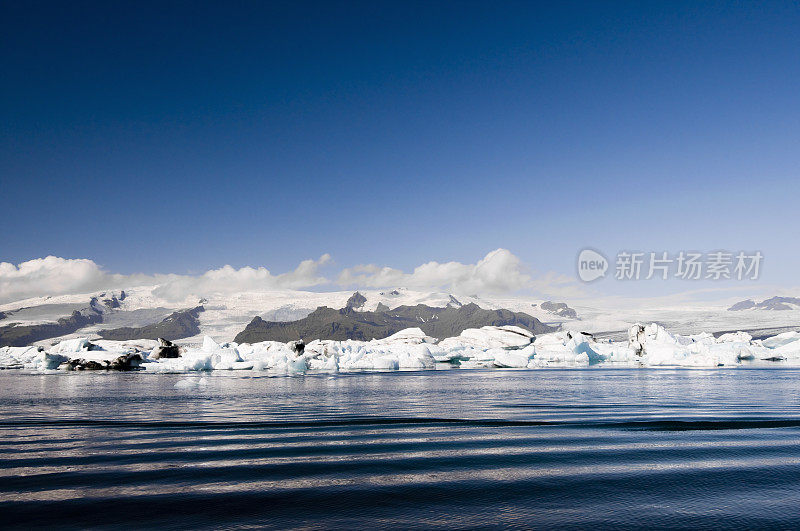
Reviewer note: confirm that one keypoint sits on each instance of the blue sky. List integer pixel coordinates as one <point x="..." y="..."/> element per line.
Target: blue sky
<point x="180" y="138"/>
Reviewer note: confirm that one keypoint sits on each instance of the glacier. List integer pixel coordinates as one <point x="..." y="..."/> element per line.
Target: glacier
<point x="507" y="347"/>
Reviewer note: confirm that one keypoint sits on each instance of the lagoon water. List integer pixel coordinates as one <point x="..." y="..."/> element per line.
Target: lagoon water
<point x="437" y="449"/>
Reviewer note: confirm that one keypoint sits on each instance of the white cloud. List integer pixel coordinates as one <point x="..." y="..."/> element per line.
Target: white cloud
<point x="63" y="276"/>
<point x="49" y="276"/>
<point x="500" y="271"/>
<point x="230" y="280"/>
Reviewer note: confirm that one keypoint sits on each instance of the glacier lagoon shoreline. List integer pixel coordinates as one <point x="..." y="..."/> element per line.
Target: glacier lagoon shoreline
<point x="499" y="347"/>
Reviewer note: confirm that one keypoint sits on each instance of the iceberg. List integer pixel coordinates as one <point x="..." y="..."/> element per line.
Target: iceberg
<point x="514" y="358"/>
<point x="649" y="345"/>
<point x="487" y="337"/>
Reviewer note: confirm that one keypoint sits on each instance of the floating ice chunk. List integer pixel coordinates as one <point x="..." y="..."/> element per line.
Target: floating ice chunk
<point x="30" y="358"/>
<point x="298" y="364"/>
<point x="19" y="357"/>
<point x="71" y="345"/>
<point x="319" y="347"/>
<point x="272" y="355"/>
<point x="513" y="358"/>
<point x="380" y="362"/>
<point x="209" y="345"/>
<point x="415" y="356"/>
<point x="411" y="336"/>
<point x="653" y="345"/>
<point x="565" y="348"/>
<point x="48" y="362"/>
<point x="225" y="359"/>
<point x="448" y="356"/>
<point x="322" y="363"/>
<point x="735" y="337"/>
<point x="617" y="353"/>
<point x="411" y="349"/>
<point x="353" y="356"/>
<point x="489" y="337"/>
<point x="580" y="346"/>
<point x="546" y="357"/>
<point x="139" y="345"/>
<point x="781" y="339"/>
<point x="192" y="360"/>
<point x="787" y="351"/>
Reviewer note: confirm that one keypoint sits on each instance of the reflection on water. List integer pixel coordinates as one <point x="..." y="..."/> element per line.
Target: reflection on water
<point x="664" y="448"/>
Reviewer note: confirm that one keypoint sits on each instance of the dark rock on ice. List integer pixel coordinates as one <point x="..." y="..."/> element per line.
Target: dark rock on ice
<point x="126" y="362"/>
<point x="298" y="347"/>
<point x="165" y="350"/>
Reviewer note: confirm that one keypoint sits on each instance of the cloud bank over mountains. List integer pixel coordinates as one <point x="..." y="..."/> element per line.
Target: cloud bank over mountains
<point x="500" y="271"/>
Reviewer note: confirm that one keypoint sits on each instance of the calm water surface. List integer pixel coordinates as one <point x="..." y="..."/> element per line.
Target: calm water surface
<point x="444" y="449"/>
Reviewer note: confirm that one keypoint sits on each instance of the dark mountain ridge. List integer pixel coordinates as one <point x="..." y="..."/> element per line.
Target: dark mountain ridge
<point x="347" y="323"/>
<point x="774" y="303"/>
<point x="23" y="335"/>
<point x="179" y="325"/>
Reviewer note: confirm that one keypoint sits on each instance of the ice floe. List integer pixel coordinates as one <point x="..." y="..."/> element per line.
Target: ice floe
<point x="501" y="347"/>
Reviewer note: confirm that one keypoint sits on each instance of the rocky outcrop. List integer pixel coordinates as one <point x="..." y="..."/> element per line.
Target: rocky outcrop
<point x="356" y="301"/>
<point x="328" y="323"/>
<point x="453" y="302"/>
<point x="560" y="309"/>
<point x="112" y="302"/>
<point x="106" y="301"/>
<point x="181" y="324"/>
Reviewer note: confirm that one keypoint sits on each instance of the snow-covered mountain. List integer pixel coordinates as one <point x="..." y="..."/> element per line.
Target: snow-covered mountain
<point x="774" y="304"/>
<point x="223" y="316"/>
<point x="220" y="316"/>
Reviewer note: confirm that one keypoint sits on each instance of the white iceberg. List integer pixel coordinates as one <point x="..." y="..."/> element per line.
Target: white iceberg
<point x="487" y="337"/>
<point x="491" y="346"/>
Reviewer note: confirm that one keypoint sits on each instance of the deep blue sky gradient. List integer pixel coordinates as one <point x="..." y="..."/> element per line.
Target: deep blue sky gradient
<point x="181" y="136"/>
